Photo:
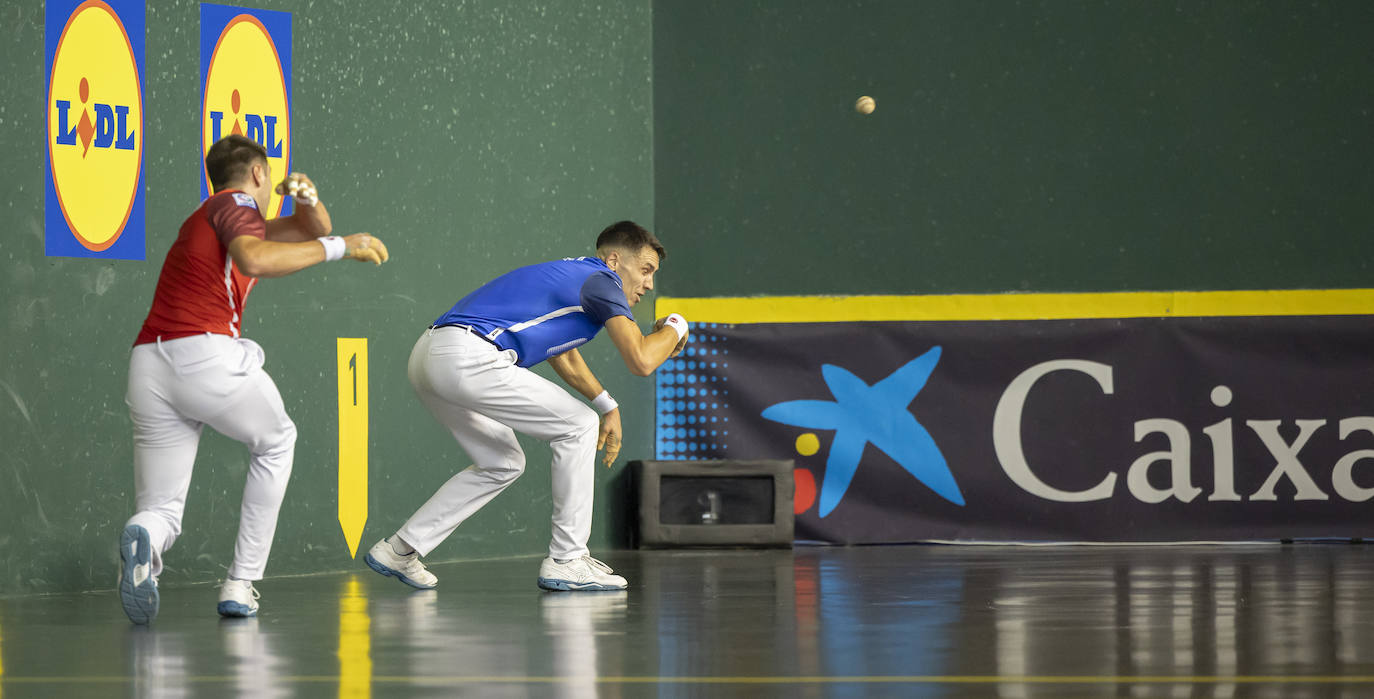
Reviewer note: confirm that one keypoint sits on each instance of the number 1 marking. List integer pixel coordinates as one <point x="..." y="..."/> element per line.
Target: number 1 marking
<point x="353" y="441"/>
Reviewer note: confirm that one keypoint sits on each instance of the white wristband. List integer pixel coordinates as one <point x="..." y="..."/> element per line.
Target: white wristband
<point x="676" y="322"/>
<point x="604" y="403"/>
<point x="334" y="247"/>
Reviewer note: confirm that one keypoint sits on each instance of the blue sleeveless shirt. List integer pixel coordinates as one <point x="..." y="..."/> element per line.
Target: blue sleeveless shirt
<point x="543" y="310"/>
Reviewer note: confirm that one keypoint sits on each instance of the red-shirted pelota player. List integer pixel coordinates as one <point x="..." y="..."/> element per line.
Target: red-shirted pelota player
<point x="189" y="367"/>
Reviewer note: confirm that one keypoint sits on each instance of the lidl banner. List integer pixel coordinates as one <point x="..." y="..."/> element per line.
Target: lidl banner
<point x="245" y="86"/>
<point x="93" y="198"/>
<point x="1107" y="418"/>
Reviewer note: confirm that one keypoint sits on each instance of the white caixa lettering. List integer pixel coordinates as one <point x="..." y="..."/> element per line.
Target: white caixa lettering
<point x="1006" y="435"/>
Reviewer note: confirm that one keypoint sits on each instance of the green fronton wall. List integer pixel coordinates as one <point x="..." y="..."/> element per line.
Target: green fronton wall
<point x="1046" y="145"/>
<point x="471" y="137"/>
<point x="1036" y="146"/>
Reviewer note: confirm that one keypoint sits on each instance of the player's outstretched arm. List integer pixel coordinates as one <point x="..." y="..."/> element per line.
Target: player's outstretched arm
<point x="266" y="258"/>
<point x="310" y="220"/>
<point x="574" y="371"/>
<point x="644" y="353"/>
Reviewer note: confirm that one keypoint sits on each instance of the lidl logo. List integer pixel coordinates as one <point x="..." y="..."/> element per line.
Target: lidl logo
<point x="246" y="85"/>
<point x="94" y="114"/>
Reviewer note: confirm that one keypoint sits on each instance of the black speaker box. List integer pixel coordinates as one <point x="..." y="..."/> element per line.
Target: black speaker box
<point x="713" y="503"/>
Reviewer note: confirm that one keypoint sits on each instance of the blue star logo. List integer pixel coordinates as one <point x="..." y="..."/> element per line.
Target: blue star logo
<point x="861" y="415"/>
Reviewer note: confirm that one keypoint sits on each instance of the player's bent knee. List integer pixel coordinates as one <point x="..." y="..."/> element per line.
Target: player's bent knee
<point x="279" y="441"/>
<point x="506" y="469"/>
<point x="582" y="428"/>
<point x="513" y="467"/>
<point x="585" y="421"/>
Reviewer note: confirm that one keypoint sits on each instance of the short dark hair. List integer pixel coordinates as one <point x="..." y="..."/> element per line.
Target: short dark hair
<point x="629" y="235"/>
<point x="231" y="158"/>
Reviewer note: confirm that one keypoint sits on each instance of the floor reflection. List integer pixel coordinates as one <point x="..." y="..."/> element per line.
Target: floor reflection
<point x="939" y="621"/>
<point x="159" y="668"/>
<point x="254" y="660"/>
<point x="355" y="642"/>
<point x="1216" y="615"/>
<point x="577" y="623"/>
<point x="453" y="633"/>
<point x="1242" y="621"/>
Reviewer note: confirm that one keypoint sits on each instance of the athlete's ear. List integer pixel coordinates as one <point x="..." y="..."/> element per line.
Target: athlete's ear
<point x="611" y="258"/>
<point x="259" y="174"/>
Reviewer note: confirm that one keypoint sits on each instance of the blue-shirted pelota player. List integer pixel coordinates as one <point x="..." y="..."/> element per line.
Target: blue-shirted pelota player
<point x="471" y="369"/>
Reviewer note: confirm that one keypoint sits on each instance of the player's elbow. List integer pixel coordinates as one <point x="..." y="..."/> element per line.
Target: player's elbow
<point x="642" y="365"/>
<point x="638" y="355"/>
<point x="250" y="266"/>
<point x="255" y="266"/>
<point x="639" y="367"/>
<point x="254" y="257"/>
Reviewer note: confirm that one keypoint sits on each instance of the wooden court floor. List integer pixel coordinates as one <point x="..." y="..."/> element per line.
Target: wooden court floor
<point x="902" y="621"/>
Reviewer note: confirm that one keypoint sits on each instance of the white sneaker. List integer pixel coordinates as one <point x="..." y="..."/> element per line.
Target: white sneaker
<point x="408" y="568"/>
<point x="137" y="587"/>
<point x="585" y="573"/>
<point x="238" y="598"/>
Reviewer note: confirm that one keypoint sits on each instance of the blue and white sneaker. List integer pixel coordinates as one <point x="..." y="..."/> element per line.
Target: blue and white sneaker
<point x="585" y="573"/>
<point x="408" y="568"/>
<point x="137" y="586"/>
<point x="238" y="598"/>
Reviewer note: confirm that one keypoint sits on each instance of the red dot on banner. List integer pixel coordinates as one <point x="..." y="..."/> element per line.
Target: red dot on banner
<point x="234" y="101"/>
<point x="84" y="90"/>
<point x="805" y="494"/>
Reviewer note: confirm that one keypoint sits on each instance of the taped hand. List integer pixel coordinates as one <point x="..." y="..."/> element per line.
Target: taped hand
<point x="299" y="187"/>
<point x="363" y="247"/>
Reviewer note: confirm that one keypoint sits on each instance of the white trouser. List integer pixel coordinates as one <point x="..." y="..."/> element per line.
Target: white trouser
<point x="482" y="397"/>
<point x="175" y="388"/>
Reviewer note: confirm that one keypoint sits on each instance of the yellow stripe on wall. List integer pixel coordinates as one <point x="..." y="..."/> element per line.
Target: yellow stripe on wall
<point x="1141" y="304"/>
<point x="352" y="439"/>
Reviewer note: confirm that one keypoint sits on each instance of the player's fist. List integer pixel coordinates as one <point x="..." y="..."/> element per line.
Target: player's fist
<point x="299" y="187"/>
<point x="679" y="325"/>
<point x="363" y="247"/>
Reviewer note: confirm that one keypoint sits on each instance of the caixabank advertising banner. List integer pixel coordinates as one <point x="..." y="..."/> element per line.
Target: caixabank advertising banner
<point x="1040" y="417"/>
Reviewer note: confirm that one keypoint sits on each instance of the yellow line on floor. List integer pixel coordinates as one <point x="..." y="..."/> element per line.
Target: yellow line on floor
<point x="839" y="679"/>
